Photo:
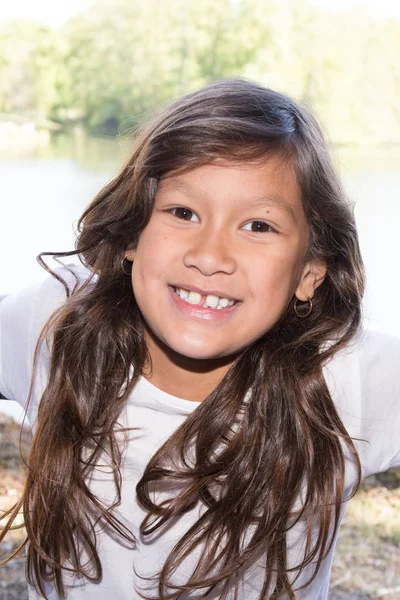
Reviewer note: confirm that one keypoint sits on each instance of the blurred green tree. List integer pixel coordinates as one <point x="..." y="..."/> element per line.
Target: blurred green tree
<point x="31" y="70"/>
<point x="113" y="63"/>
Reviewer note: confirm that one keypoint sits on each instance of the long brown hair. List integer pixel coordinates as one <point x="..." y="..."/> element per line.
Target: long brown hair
<point x="247" y="473"/>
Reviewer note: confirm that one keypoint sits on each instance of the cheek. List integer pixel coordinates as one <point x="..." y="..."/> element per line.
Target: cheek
<point x="153" y="256"/>
<point x="275" y="278"/>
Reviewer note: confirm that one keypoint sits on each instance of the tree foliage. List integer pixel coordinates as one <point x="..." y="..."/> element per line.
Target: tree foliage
<point x="113" y="63"/>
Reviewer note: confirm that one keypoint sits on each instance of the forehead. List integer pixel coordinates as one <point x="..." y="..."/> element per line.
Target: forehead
<point x="268" y="182"/>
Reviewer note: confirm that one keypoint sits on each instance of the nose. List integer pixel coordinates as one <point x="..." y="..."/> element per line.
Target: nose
<point x="211" y="252"/>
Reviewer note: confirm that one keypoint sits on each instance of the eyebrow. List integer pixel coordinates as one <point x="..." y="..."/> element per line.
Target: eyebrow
<point x="273" y="200"/>
<point x="263" y="202"/>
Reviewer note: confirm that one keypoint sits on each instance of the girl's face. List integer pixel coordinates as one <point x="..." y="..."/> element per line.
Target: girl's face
<point x="222" y="256"/>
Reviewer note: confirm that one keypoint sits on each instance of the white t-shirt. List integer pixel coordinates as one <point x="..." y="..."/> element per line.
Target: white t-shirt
<point x="365" y="386"/>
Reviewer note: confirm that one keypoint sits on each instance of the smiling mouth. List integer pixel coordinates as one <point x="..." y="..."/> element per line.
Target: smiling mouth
<point x="204" y="301"/>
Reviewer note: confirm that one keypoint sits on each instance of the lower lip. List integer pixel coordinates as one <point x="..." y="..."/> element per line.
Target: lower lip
<point x="202" y="312"/>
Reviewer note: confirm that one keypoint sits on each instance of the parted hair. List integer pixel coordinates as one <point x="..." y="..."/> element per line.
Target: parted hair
<point x="247" y="474"/>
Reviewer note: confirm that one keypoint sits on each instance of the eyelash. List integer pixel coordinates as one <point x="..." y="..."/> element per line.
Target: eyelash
<point x="259" y="222"/>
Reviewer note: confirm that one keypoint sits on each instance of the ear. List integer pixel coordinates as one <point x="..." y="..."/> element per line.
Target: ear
<point x="130" y="254"/>
<point x="313" y="274"/>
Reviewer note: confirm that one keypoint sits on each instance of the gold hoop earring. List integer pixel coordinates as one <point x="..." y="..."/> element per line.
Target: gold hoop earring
<point x="309" y="310"/>
<point x="122" y="266"/>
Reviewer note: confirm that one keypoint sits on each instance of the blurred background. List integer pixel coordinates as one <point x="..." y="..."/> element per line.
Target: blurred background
<point x="76" y="77"/>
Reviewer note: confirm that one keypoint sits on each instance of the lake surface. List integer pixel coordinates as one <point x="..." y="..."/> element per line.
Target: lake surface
<point x="44" y="192"/>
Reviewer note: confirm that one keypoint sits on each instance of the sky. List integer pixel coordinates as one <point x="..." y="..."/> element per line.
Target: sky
<point x="55" y="13"/>
<point x="382" y="8"/>
<point x="49" y="12"/>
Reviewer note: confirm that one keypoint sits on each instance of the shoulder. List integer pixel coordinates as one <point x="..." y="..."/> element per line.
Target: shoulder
<point x="370" y="350"/>
<point x="24" y="313"/>
<point x="364" y="382"/>
<point x="371" y="361"/>
<point x="22" y="318"/>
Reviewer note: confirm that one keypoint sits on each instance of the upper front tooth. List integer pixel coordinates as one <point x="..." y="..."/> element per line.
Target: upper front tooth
<point x="183" y="293"/>
<point x="212" y="301"/>
<point x="194" y="298"/>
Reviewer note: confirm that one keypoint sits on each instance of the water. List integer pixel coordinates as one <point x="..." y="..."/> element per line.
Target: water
<point x="44" y="192"/>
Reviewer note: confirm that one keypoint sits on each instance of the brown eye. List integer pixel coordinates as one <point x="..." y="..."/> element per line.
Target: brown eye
<point x="259" y="227"/>
<point x="184" y="213"/>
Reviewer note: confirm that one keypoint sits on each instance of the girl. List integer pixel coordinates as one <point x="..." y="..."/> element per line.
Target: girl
<point x="203" y="400"/>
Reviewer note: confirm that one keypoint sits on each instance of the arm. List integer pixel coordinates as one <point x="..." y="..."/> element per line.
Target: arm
<point x="380" y="395"/>
<point x="15" y="318"/>
<point x="364" y="381"/>
<point x="1" y="395"/>
<point x="22" y="317"/>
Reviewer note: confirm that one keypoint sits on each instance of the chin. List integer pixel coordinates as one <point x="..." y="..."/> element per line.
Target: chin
<point x="197" y="351"/>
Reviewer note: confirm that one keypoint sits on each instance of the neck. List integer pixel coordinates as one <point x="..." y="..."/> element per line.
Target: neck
<point x="187" y="378"/>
